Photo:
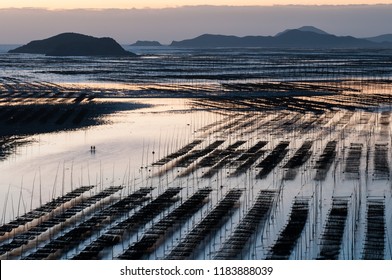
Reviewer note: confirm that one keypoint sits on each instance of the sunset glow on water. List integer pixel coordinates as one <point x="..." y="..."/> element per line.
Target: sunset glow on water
<point x="283" y="153"/>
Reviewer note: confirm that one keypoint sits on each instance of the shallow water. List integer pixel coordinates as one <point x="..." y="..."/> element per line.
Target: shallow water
<point x="129" y="142"/>
<point x="123" y="145"/>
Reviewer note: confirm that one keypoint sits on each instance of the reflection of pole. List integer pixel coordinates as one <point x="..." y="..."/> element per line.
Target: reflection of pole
<point x="32" y="192"/>
<point x="317" y="214"/>
<point x="55" y="182"/>
<point x="20" y="196"/>
<point x="357" y="214"/>
<point x="40" y="187"/>
<point x="5" y="206"/>
<point x="353" y="225"/>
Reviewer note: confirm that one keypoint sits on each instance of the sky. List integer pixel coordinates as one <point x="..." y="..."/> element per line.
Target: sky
<point x="127" y="4"/>
<point x="127" y="25"/>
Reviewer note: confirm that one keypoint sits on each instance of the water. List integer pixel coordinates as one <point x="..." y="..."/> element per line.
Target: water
<point x="164" y="71"/>
<point x="318" y="97"/>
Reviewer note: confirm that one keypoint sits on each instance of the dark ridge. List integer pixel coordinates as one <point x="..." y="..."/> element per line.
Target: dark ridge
<point x="333" y="231"/>
<point x="179" y="153"/>
<point x="353" y="161"/>
<point x="381" y="38"/>
<point x="251" y="159"/>
<point x="158" y="231"/>
<point x="55" y="220"/>
<point x="42" y="210"/>
<point x="375" y="230"/>
<point x="114" y="234"/>
<point x="87" y="228"/>
<point x="381" y="165"/>
<point x="305" y="29"/>
<point x="300" y="156"/>
<point x="255" y="217"/>
<point x="297" y="160"/>
<point x="196" y="154"/>
<point x="213" y="220"/>
<point x="292" y="232"/>
<point x="227" y="158"/>
<point x="218" y="154"/>
<point x="146" y="44"/>
<point x="325" y="161"/>
<point x="74" y="44"/>
<point x="294" y="38"/>
<point x="273" y="159"/>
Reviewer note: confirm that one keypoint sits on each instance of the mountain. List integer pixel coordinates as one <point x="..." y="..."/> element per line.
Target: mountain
<point x="74" y="44"/>
<point x="147" y="44"/>
<point x="304" y="39"/>
<point x="292" y="38"/>
<point x="214" y="41"/>
<point x="305" y="29"/>
<point x="381" y="38"/>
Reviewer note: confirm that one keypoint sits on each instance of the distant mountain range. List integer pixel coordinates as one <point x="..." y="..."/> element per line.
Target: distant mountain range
<point x="304" y="37"/>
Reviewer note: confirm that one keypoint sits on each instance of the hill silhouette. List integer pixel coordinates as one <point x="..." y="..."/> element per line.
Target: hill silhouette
<point x="147" y="44"/>
<point x="306" y="28"/>
<point x="381" y="38"/>
<point x="304" y="37"/>
<point x="74" y="44"/>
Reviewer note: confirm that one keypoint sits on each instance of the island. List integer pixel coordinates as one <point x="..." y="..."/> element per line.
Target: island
<point x="74" y="44"/>
<point x="147" y="44"/>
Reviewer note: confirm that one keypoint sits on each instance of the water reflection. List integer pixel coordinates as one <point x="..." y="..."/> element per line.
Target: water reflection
<point x="314" y="140"/>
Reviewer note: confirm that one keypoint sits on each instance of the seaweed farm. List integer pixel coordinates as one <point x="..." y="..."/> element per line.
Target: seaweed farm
<point x="197" y="154"/>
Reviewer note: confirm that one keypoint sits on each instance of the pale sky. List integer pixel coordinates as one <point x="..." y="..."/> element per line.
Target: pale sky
<point x="127" y="4"/>
<point x="20" y="26"/>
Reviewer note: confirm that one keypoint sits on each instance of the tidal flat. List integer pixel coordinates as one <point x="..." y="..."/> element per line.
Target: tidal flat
<point x="197" y="154"/>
